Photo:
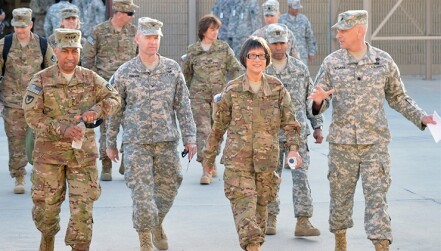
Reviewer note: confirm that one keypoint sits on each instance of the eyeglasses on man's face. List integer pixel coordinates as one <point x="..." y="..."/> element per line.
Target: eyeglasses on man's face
<point x="130" y="13"/>
<point x="260" y="56"/>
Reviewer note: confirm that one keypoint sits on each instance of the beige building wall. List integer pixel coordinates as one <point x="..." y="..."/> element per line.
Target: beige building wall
<point x="408" y="20"/>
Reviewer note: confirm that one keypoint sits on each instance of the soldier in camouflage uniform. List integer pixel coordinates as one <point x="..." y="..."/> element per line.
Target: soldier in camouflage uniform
<point x="56" y="100"/>
<point x="302" y="29"/>
<point x="23" y="61"/>
<point x="222" y="10"/>
<point x="39" y="9"/>
<point x="271" y="15"/>
<point x="110" y="45"/>
<point x="253" y="108"/>
<point x="52" y="19"/>
<point x="205" y="68"/>
<point x="295" y="77"/>
<point x="358" y="78"/>
<point x="154" y="97"/>
<point x="93" y="12"/>
<point x="245" y="18"/>
<point x="69" y="19"/>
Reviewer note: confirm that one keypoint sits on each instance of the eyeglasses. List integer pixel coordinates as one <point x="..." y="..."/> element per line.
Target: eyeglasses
<point x="260" y="56"/>
<point x="131" y="13"/>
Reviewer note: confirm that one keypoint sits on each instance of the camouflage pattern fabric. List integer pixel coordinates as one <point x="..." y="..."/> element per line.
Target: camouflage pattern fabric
<point x="222" y="10"/>
<point x="151" y="102"/>
<point x="52" y="19"/>
<point x="302" y="29"/>
<point x="292" y="47"/>
<point x="93" y="12"/>
<point x="296" y="79"/>
<point x="39" y="9"/>
<point x="21" y="64"/>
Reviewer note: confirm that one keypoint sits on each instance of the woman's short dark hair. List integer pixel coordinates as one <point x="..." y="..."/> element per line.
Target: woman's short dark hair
<point x="205" y="23"/>
<point x="254" y="42"/>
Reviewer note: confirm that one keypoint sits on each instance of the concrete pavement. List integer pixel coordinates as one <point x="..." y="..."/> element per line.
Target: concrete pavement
<point x="201" y="218"/>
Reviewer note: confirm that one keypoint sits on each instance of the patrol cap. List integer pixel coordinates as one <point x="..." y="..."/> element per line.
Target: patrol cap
<point x="350" y="18"/>
<point x="124" y="5"/>
<point x="149" y="26"/>
<point x="295" y="4"/>
<point x="270" y="7"/>
<point x="21" y="17"/>
<point x="68" y="38"/>
<point x="69" y="12"/>
<point x="276" y="33"/>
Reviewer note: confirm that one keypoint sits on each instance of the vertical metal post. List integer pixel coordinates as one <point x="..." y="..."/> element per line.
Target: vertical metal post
<point x="429" y="43"/>
<point x="192" y="13"/>
<point x="367" y="5"/>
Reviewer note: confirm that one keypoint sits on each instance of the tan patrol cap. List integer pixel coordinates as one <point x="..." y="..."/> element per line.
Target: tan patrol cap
<point x="124" y="5"/>
<point x="22" y="17"/>
<point x="149" y="26"/>
<point x="350" y="18"/>
<point x="270" y="7"/>
<point x="68" y="38"/>
<point x="276" y="33"/>
<point x="69" y="12"/>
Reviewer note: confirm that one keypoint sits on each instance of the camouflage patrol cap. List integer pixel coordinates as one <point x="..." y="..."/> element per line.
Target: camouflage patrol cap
<point x="69" y="12"/>
<point x="270" y="7"/>
<point x="21" y="17"/>
<point x="276" y="33"/>
<point x="124" y="5"/>
<point x="295" y="4"/>
<point x="149" y="26"/>
<point x="350" y="18"/>
<point x="68" y="38"/>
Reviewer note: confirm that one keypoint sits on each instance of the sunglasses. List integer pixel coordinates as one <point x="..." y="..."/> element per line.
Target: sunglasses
<point x="131" y="13"/>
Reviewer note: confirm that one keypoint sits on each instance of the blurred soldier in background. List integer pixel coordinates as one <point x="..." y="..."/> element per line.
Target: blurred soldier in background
<point x="93" y="12"/>
<point x="52" y="19"/>
<point x="69" y="19"/>
<point x="39" y="10"/>
<point x="222" y="10"/>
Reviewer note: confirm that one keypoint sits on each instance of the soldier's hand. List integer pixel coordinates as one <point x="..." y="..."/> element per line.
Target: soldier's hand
<point x="428" y="120"/>
<point x="89" y="116"/>
<point x="318" y="136"/>
<point x="318" y="94"/>
<point x="295" y="154"/>
<point x="112" y="153"/>
<point x="191" y="148"/>
<point x="73" y="132"/>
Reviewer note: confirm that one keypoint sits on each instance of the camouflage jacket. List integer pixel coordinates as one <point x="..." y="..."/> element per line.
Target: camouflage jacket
<point x="40" y="6"/>
<point x="222" y="10"/>
<point x="358" y="115"/>
<point x="295" y="77"/>
<point x="302" y="29"/>
<point x="50" y="104"/>
<point x="151" y="101"/>
<point x="253" y="121"/>
<point x="107" y="49"/>
<point x="292" y="47"/>
<point x="93" y="12"/>
<point x="21" y="64"/>
<point x="245" y="18"/>
<point x="205" y="72"/>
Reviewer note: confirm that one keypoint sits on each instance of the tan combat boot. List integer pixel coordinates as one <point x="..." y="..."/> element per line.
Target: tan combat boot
<point x="47" y="243"/>
<point x="382" y="245"/>
<point x="214" y="172"/>
<point x="159" y="238"/>
<point x="340" y="240"/>
<point x="271" y="225"/>
<point x="106" y="172"/>
<point x="253" y="247"/>
<point x="19" y="185"/>
<point x="305" y="228"/>
<point x="145" y="240"/>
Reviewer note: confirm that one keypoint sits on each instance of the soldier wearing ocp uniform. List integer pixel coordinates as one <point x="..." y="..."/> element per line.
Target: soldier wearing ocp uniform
<point x="52" y="18"/>
<point x="69" y="19"/>
<point x="58" y="101"/>
<point x="23" y="61"/>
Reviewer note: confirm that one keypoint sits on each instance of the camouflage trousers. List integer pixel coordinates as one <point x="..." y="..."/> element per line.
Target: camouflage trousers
<point x="15" y="128"/>
<point x="153" y="173"/>
<point x="301" y="192"/>
<point x="347" y="163"/>
<point x="249" y="194"/>
<point x="48" y="192"/>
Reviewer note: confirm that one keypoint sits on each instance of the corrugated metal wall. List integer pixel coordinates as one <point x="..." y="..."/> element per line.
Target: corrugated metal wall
<point x="409" y="19"/>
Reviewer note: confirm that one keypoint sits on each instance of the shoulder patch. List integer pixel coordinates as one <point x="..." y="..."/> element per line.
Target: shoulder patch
<point x="217" y="98"/>
<point x="53" y="58"/>
<point x="35" y="89"/>
<point x="109" y="87"/>
<point x="90" y="40"/>
<point x="184" y="58"/>
<point x="28" y="99"/>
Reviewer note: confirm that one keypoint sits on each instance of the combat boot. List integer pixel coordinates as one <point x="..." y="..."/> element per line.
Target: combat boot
<point x="205" y="178"/>
<point x="214" y="172"/>
<point x="305" y="228"/>
<point x="159" y="238"/>
<point x="382" y="245"/>
<point x="253" y="247"/>
<point x="340" y="240"/>
<point x="19" y="185"/>
<point x="47" y="243"/>
<point x="145" y="240"/>
<point x="106" y="172"/>
<point x="271" y="225"/>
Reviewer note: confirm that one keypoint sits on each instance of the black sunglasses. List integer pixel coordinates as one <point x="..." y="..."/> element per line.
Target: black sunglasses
<point x="131" y="13"/>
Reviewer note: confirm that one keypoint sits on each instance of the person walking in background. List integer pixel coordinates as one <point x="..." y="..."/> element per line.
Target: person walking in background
<point x="154" y="97"/>
<point x="60" y="105"/>
<point x="93" y="12"/>
<point x="222" y="10"/>
<point x="52" y="18"/>
<point x="357" y="79"/>
<point x="69" y="19"/>
<point x="295" y="77"/>
<point x="111" y="44"/>
<point x="252" y="108"/>
<point x="206" y="67"/>
<point x="299" y="24"/>
<point x="25" y="58"/>
<point x="39" y="9"/>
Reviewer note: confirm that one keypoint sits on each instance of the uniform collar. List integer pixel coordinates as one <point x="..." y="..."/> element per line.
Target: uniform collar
<point x="265" y="86"/>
